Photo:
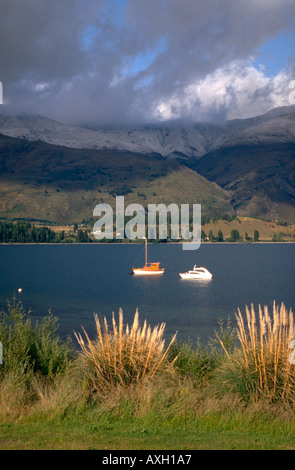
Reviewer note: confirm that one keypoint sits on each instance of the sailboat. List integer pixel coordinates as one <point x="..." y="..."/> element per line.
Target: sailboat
<point x="148" y="268"/>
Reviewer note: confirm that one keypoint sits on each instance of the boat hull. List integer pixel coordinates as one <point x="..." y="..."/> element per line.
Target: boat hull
<point x="143" y="272"/>
<point x="195" y="276"/>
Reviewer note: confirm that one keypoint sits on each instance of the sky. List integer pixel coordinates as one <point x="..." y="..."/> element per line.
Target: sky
<point x="126" y="62"/>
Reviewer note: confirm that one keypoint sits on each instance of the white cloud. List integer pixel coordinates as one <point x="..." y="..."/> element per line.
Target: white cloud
<point x="238" y="90"/>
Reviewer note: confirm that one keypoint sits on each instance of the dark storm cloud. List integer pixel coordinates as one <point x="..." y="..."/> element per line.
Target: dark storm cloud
<point x="116" y="60"/>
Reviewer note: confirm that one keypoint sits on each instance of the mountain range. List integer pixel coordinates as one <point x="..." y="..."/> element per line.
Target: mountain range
<point x="173" y="139"/>
<point x="53" y="171"/>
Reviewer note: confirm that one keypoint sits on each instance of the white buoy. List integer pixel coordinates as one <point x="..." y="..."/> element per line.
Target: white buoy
<point x="19" y="290"/>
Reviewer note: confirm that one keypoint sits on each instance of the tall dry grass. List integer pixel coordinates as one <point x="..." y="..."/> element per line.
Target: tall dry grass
<point x="121" y="356"/>
<point x="262" y="366"/>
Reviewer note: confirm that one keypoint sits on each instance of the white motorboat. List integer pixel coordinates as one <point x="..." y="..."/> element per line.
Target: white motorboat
<point x="196" y="273"/>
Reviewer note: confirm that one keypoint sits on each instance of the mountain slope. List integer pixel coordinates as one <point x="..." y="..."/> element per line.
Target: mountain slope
<point x="260" y="177"/>
<point x="61" y="184"/>
<point x="257" y="165"/>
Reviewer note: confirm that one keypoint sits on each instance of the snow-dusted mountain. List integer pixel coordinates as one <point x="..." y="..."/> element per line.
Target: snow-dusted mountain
<point x="172" y="140"/>
<point x="193" y="140"/>
<point x="279" y="129"/>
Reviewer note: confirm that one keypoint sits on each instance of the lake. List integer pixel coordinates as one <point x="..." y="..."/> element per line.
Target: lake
<point x="74" y="281"/>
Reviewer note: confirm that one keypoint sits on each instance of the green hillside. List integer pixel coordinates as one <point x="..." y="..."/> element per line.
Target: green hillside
<point x="59" y="184"/>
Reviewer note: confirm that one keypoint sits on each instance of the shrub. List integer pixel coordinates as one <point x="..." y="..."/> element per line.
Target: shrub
<point x="191" y="361"/>
<point x="29" y="347"/>
<point x="261" y="368"/>
<point x="200" y="360"/>
<point x="122" y="357"/>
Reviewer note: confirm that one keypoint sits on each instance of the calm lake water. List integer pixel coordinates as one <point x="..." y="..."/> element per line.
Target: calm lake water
<point x="74" y="281"/>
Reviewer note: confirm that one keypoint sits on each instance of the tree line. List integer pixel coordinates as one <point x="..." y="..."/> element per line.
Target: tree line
<point x="234" y="237"/>
<point x="25" y="232"/>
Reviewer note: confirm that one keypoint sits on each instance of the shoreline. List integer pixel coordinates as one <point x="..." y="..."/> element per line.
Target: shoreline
<point x="264" y="242"/>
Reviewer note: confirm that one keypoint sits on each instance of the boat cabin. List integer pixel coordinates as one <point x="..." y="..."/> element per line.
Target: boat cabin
<point x="152" y="266"/>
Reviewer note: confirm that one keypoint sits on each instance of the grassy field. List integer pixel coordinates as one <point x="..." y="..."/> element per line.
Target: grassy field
<point x="210" y="432"/>
<point x="126" y="389"/>
<point x="267" y="229"/>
